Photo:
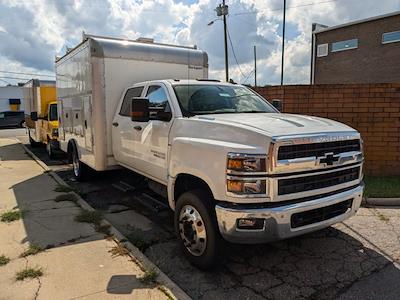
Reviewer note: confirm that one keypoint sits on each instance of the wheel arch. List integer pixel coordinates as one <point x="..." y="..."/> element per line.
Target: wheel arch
<point x="184" y="182"/>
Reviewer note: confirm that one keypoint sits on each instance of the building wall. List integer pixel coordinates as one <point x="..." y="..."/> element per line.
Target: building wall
<point x="371" y="62"/>
<point x="373" y="109"/>
<point x="10" y="92"/>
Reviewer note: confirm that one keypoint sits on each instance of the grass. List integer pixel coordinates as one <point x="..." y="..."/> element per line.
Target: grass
<point x="166" y="292"/>
<point x="149" y="276"/>
<point x="4" y="260"/>
<point x="32" y="250"/>
<point x="86" y="216"/>
<point x="382" y="187"/>
<point x="10" y="216"/>
<point x="66" y="197"/>
<point x="29" y="273"/>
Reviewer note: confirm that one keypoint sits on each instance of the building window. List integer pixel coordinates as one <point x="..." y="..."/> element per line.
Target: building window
<point x="391" y="37"/>
<point x="322" y="50"/>
<point x="344" y="45"/>
<point x="14" y="101"/>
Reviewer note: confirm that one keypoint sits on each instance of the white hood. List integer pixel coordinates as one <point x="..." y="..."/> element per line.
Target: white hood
<point x="276" y="124"/>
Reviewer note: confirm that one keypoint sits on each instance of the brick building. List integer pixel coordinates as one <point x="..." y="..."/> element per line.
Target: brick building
<point x="365" y="51"/>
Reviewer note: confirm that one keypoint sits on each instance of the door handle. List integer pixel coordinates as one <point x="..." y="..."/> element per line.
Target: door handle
<point x="115" y="124"/>
<point x="138" y="128"/>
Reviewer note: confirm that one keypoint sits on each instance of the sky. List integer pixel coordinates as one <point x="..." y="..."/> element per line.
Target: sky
<point x="33" y="32"/>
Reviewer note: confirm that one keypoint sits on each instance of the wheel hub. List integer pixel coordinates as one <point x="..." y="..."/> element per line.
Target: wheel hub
<point x="192" y="230"/>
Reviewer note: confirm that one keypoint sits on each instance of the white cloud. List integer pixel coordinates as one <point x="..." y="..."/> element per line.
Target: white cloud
<point x="33" y="32"/>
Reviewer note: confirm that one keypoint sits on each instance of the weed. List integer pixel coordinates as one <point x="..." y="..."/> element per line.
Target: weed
<point x="104" y="228"/>
<point x="64" y="189"/>
<point x="66" y="197"/>
<point x="165" y="291"/>
<point x="139" y="242"/>
<point x="149" y="276"/>
<point x="119" y="250"/>
<point x="11" y="215"/>
<point x="86" y="216"/>
<point x="4" y="260"/>
<point x="32" y="250"/>
<point x="382" y="217"/>
<point x="29" y="273"/>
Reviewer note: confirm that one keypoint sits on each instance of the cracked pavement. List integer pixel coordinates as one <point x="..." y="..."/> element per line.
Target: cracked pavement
<point x="356" y="259"/>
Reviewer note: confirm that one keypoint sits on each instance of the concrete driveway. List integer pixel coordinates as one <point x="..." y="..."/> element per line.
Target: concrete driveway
<point x="356" y="259"/>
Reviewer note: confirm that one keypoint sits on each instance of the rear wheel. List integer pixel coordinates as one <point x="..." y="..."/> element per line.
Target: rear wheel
<point x="197" y="230"/>
<point x="32" y="141"/>
<point x="50" y="150"/>
<point x="81" y="171"/>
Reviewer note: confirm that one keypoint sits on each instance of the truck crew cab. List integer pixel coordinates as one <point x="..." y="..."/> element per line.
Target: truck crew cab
<point x="234" y="167"/>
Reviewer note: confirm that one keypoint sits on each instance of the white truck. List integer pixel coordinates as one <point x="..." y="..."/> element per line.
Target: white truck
<point x="233" y="166"/>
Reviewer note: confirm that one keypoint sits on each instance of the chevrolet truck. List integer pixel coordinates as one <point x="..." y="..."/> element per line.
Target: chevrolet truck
<point x="233" y="167"/>
<point x="41" y="117"/>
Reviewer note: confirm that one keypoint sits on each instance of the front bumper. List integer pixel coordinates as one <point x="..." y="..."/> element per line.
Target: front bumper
<point x="278" y="219"/>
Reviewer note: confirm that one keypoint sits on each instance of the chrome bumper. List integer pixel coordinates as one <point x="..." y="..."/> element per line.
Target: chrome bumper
<point x="278" y="219"/>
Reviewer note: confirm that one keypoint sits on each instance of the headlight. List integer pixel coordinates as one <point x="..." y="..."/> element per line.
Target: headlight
<point x="241" y="186"/>
<point x="246" y="163"/>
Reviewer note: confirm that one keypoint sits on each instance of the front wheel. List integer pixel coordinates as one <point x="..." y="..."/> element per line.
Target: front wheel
<point x="197" y="230"/>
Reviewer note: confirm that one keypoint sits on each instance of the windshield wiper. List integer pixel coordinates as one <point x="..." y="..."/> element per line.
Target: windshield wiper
<point x="252" y="112"/>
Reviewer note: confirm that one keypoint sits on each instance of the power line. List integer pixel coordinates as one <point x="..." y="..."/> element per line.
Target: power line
<point x="278" y="9"/>
<point x="22" y="73"/>
<point x="16" y="78"/>
<point x="234" y="54"/>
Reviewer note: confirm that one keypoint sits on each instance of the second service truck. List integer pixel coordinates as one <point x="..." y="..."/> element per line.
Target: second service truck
<point x="232" y="165"/>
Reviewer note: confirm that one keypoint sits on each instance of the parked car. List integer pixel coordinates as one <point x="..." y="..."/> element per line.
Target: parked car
<point x="12" y="119"/>
<point x="232" y="165"/>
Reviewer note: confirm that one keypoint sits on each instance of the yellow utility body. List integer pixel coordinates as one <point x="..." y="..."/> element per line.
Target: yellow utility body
<point x="41" y="114"/>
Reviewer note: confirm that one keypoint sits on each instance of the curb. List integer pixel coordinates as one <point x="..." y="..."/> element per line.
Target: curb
<point x="383" y="201"/>
<point x="174" y="291"/>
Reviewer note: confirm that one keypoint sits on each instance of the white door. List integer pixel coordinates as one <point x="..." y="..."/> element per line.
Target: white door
<point x="151" y="138"/>
<point x="123" y="134"/>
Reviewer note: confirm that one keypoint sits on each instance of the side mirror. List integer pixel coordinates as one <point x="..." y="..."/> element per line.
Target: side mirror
<point x="278" y="104"/>
<point x="140" y="110"/>
<point x="164" y="116"/>
<point x="34" y="116"/>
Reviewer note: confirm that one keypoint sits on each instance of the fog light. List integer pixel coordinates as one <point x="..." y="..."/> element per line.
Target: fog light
<point x="250" y="223"/>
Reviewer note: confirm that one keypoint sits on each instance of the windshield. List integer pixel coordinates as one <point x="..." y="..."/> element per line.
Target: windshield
<point x="219" y="99"/>
<point x="53" y="112"/>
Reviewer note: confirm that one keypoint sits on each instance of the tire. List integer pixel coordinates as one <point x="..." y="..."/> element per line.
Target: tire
<point x="50" y="150"/>
<point x="32" y="141"/>
<point x="81" y="171"/>
<point x="195" y="220"/>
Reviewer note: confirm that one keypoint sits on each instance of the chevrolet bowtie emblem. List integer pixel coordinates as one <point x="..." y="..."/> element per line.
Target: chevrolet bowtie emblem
<point x="329" y="159"/>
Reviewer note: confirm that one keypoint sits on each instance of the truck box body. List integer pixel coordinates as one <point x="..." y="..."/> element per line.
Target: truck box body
<point x="38" y="94"/>
<point x="92" y="77"/>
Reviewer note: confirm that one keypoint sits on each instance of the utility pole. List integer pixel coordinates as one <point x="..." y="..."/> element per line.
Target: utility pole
<point x="222" y="10"/>
<point x="283" y="39"/>
<point x="255" y="65"/>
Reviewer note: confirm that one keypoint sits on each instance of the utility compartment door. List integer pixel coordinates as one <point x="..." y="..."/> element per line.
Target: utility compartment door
<point x="87" y="122"/>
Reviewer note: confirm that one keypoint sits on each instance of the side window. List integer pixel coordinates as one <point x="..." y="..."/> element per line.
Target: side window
<point x="2" y="115"/>
<point x="126" y="103"/>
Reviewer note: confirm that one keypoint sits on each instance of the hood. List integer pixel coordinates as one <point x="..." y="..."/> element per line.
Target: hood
<point x="278" y="124"/>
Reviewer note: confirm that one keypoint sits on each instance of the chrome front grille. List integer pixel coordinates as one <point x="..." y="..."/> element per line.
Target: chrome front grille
<point x="317" y="149"/>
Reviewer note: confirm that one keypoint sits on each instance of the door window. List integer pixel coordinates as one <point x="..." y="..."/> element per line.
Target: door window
<point x="126" y="103"/>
